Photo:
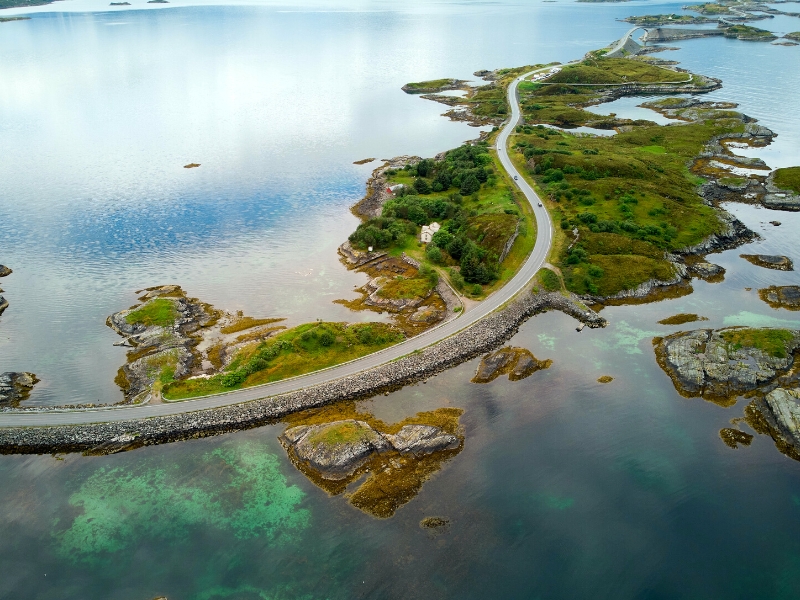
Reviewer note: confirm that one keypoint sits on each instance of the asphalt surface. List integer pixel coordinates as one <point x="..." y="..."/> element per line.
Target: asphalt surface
<point x="533" y="263"/>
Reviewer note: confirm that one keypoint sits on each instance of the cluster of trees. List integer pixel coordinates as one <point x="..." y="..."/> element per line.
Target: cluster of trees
<point x="478" y="265"/>
<point x="465" y="169"/>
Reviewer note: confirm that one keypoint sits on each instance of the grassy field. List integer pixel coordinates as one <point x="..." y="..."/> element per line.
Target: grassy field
<point x="296" y="351"/>
<point x="432" y="84"/>
<point x="773" y="342"/>
<point x="788" y="179"/>
<point x="159" y="311"/>
<point x="630" y="196"/>
<point x="242" y="323"/>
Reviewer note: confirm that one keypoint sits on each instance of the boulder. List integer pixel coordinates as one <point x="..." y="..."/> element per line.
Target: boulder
<point x="707" y="270"/>
<point x="16" y="387"/>
<point x="785" y="407"/>
<point x="786" y="296"/>
<point x="3" y="304"/>
<point x="777" y="262"/>
<point x="518" y="363"/>
<point x="421" y="440"/>
<point x="5" y="271"/>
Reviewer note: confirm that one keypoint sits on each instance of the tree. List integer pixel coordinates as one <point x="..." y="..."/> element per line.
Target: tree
<point x="422" y="186"/>
<point x="469" y="185"/>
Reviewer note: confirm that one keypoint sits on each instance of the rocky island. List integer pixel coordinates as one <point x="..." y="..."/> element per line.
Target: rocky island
<point x="724" y="364"/>
<point x="395" y="460"/>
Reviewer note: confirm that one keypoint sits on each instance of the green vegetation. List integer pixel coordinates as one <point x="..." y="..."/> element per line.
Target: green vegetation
<point x="710" y="8"/>
<point x="242" y="323"/>
<point x="745" y="32"/>
<point x="629" y="196"/>
<point x="341" y="433"/>
<point x="461" y="192"/>
<point x="773" y="342"/>
<point x="9" y="19"/>
<point x="613" y="70"/>
<point x="402" y="288"/>
<point x="22" y="3"/>
<point x="682" y="318"/>
<point x="794" y="36"/>
<point x="433" y="84"/>
<point x="159" y="311"/>
<point x="549" y="280"/>
<point x="732" y="181"/>
<point x="788" y="179"/>
<point x="296" y="351"/>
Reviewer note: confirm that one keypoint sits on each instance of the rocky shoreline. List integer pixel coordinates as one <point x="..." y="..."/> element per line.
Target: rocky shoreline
<point x="483" y="336"/>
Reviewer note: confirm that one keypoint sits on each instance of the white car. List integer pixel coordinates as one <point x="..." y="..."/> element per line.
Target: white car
<point x="540" y="203"/>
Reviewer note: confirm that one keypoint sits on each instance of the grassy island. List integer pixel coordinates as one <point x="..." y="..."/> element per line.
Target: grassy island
<point x="747" y="33"/>
<point x="296" y="351"/>
<point x="794" y="36"/>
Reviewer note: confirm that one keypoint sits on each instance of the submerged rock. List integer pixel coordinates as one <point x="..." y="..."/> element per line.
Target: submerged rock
<point x="777" y="262"/>
<point x="518" y="363"/>
<point x="5" y="271"/>
<point x="707" y="270"/>
<point x="786" y="296"/>
<point x="336" y="450"/>
<point x="721" y="364"/>
<point x="16" y="387"/>
<point x="734" y="437"/>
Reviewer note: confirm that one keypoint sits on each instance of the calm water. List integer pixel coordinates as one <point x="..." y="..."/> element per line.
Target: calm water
<point x="565" y="488"/>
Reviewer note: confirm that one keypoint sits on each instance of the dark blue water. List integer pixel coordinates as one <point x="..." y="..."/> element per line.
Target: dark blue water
<point x="565" y="488"/>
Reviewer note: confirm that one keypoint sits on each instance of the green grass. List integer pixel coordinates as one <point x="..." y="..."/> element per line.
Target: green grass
<point x="242" y="323"/>
<point x="745" y="32"/>
<point x="794" y="36"/>
<point x="788" y="179"/>
<point x="432" y="84"/>
<point x="773" y="342"/>
<point x="614" y="70"/>
<point x="405" y="288"/>
<point x="341" y="433"/>
<point x="296" y="351"/>
<point x="654" y="149"/>
<point x="549" y="280"/>
<point x="159" y="311"/>
<point x="631" y="196"/>
<point x="734" y="181"/>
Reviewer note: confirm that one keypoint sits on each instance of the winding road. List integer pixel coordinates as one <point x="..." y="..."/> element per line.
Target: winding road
<point x="533" y="263"/>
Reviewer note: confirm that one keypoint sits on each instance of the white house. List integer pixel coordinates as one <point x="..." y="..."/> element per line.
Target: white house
<point x="427" y="232"/>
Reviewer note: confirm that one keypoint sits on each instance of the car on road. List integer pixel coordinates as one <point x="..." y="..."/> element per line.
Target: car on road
<point x="515" y="177"/>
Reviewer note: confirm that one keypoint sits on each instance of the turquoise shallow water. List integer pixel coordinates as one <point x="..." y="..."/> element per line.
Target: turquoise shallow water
<point x="565" y="488"/>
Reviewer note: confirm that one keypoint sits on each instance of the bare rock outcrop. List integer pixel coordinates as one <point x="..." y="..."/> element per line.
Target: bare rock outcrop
<point x="15" y="387"/>
<point x="336" y="450"/>
<point x="726" y="362"/>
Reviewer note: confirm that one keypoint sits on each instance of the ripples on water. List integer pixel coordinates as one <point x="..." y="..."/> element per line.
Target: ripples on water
<point x="565" y="488"/>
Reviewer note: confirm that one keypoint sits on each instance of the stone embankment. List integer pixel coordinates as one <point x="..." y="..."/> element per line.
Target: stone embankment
<point x="483" y="336"/>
